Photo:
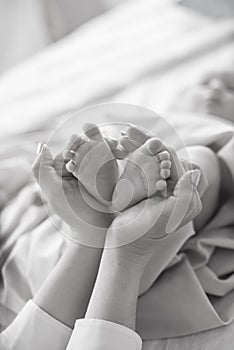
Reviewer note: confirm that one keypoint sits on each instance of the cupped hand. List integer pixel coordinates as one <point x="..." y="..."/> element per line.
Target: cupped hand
<point x="136" y="231"/>
<point x="85" y="216"/>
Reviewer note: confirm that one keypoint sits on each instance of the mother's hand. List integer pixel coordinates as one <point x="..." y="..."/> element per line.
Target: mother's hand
<point x="68" y="199"/>
<point x="135" y="231"/>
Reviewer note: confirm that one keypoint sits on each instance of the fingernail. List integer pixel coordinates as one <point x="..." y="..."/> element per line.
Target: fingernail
<point x="195" y="177"/>
<point x="40" y="147"/>
<point x="65" y="154"/>
<point x="111" y="139"/>
<point x="68" y="154"/>
<point x="71" y="165"/>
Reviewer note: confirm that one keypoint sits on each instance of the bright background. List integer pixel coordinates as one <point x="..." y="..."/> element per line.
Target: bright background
<point x="26" y="26"/>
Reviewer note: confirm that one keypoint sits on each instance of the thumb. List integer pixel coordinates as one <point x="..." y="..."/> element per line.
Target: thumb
<point x="43" y="170"/>
<point x="186" y="200"/>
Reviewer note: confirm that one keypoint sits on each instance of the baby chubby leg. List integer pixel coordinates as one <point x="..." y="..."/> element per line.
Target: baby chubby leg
<point x="208" y="162"/>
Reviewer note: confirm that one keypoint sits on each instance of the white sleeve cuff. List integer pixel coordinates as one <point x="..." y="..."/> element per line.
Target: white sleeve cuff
<point x="35" y="329"/>
<point x="95" y="334"/>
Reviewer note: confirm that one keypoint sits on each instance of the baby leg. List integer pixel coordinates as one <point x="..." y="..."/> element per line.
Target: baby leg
<point x="208" y="162"/>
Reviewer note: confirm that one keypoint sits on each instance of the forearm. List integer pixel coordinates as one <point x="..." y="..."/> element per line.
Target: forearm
<point x="66" y="292"/>
<point x="116" y="290"/>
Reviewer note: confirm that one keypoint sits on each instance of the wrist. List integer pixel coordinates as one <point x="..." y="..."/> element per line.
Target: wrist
<point x="86" y="236"/>
<point x="129" y="245"/>
<point x="120" y="262"/>
<point x="116" y="290"/>
<point x="77" y="250"/>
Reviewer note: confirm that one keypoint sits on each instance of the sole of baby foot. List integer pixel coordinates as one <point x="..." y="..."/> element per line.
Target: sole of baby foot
<point x="145" y="173"/>
<point x="137" y="136"/>
<point x="94" y="165"/>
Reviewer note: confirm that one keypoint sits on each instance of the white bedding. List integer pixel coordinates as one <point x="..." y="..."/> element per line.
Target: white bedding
<point x="141" y="53"/>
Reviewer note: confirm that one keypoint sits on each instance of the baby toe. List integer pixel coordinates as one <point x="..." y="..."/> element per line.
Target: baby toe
<point x="165" y="173"/>
<point x="164" y="155"/>
<point x="165" y="164"/>
<point x="152" y="146"/>
<point x="161" y="185"/>
<point x="92" y="131"/>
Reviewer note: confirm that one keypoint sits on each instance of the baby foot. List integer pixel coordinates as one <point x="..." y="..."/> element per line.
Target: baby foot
<point x="145" y="173"/>
<point x="93" y="163"/>
<point x="134" y="137"/>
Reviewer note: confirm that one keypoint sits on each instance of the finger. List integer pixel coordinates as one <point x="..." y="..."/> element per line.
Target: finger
<point x="128" y="144"/>
<point x="36" y="163"/>
<point x="73" y="146"/>
<point x="71" y="166"/>
<point x="44" y="171"/>
<point x="177" y="169"/>
<point x="190" y="165"/>
<point x="40" y="147"/>
<point x="120" y="152"/>
<point x="60" y="166"/>
<point x="203" y="183"/>
<point x="92" y="131"/>
<point x="68" y="154"/>
<point x="184" y="192"/>
<point x="112" y="143"/>
<point x="186" y="165"/>
<point x="194" y="209"/>
<point x="137" y="135"/>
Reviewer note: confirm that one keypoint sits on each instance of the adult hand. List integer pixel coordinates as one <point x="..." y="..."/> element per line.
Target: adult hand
<point x="135" y="231"/>
<point x="86" y="217"/>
